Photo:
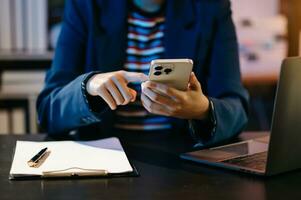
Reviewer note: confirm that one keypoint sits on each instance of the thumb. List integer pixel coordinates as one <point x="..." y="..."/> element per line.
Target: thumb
<point x="194" y="84"/>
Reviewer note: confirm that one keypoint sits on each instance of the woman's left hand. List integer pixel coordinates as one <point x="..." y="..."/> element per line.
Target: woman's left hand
<point x="160" y="99"/>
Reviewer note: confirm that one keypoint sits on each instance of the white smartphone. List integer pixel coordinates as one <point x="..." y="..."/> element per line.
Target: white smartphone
<point x="173" y="72"/>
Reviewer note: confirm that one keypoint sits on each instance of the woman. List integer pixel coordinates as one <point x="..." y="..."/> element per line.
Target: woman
<point x="103" y="54"/>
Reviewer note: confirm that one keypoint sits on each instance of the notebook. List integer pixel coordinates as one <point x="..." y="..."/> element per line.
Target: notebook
<point x="104" y="157"/>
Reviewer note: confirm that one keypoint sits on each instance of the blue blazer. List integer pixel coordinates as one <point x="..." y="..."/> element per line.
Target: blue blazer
<point x="94" y="38"/>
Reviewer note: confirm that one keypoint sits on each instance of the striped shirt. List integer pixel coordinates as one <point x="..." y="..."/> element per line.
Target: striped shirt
<point x="144" y="43"/>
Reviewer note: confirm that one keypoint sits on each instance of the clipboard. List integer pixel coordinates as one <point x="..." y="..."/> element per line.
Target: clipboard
<point x="73" y="159"/>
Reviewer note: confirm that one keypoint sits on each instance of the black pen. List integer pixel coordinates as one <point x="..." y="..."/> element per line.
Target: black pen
<point x="34" y="161"/>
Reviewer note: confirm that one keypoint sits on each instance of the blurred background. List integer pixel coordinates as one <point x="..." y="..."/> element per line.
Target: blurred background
<point x="268" y="31"/>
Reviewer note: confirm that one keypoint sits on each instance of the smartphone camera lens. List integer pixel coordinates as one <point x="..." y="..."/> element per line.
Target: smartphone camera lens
<point x="157" y="73"/>
<point x="159" y="67"/>
<point x="167" y="70"/>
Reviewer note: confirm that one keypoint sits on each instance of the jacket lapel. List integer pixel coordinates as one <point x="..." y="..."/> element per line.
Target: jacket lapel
<point x="180" y="33"/>
<point x="110" y="34"/>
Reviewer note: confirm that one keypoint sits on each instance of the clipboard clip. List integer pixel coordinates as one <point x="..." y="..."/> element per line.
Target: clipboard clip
<point x="74" y="171"/>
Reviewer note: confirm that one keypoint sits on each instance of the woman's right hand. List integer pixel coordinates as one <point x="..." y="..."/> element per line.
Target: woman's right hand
<point x="112" y="87"/>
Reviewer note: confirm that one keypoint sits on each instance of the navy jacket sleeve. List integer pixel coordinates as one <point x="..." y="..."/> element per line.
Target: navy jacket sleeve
<point x="224" y="86"/>
<point x="62" y="105"/>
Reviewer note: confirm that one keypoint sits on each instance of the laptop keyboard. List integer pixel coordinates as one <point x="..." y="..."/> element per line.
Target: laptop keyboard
<point x="255" y="161"/>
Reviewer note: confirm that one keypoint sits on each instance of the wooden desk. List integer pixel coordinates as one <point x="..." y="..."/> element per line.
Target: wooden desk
<point x="163" y="176"/>
<point x="253" y="75"/>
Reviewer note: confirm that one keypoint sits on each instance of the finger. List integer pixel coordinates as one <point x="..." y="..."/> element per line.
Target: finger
<point x="106" y="96"/>
<point x="135" y="77"/>
<point x="153" y="107"/>
<point x="123" y="88"/>
<point x="155" y="97"/>
<point x="194" y="84"/>
<point x="134" y="94"/>
<point x="173" y="93"/>
<point x="115" y="92"/>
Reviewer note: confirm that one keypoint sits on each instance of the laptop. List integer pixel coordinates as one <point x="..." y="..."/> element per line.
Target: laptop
<point x="270" y="155"/>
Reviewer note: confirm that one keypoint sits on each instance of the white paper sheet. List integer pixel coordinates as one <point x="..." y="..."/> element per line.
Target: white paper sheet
<point x="106" y="154"/>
